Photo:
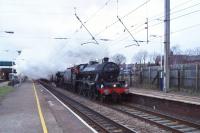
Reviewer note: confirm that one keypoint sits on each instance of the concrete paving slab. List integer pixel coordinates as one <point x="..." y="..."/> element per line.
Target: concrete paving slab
<point x="65" y="119"/>
<point x="4" y="83"/>
<point x="19" y="113"/>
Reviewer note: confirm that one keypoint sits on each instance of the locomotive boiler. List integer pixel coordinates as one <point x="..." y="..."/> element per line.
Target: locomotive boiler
<point x="96" y="80"/>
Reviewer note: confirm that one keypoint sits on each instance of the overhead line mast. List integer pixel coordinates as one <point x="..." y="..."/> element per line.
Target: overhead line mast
<point x="147" y="28"/>
<point x="128" y="31"/>
<point x="93" y="38"/>
<point x="167" y="45"/>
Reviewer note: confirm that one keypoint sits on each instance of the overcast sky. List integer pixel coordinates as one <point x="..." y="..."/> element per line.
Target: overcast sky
<point x="37" y="22"/>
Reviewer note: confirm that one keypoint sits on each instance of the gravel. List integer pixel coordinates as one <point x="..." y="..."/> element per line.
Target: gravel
<point x="126" y="120"/>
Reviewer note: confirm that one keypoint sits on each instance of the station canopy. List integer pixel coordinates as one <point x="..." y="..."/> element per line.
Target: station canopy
<point x="7" y="63"/>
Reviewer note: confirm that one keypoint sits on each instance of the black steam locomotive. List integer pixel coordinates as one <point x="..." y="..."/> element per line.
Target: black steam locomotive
<point x="94" y="80"/>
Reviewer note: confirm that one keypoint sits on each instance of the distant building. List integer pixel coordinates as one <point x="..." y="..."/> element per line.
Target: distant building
<point x="6" y="69"/>
<point x="4" y="73"/>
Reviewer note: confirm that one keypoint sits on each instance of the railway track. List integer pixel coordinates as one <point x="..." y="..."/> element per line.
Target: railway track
<point x="163" y="121"/>
<point x="155" y="118"/>
<point x="96" y="120"/>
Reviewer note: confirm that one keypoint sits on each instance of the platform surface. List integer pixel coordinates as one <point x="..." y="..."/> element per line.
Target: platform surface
<point x="19" y="113"/>
<point x="4" y="83"/>
<point x="168" y="96"/>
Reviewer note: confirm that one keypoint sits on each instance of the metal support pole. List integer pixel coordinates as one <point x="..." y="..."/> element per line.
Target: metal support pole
<point x="12" y="78"/>
<point x="147" y="28"/>
<point x="161" y="65"/>
<point x="197" y="77"/>
<point x="149" y="75"/>
<point x="12" y="67"/>
<point x="167" y="45"/>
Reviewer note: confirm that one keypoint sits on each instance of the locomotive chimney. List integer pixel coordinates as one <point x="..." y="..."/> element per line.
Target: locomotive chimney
<point x="105" y="59"/>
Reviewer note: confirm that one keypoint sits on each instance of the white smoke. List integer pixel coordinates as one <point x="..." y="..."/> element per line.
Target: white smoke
<point x="45" y="59"/>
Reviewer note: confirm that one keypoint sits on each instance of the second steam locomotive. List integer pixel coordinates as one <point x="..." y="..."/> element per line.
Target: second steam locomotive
<point x="94" y="80"/>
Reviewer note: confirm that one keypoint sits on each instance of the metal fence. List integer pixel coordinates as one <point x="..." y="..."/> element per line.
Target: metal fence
<point x="182" y="77"/>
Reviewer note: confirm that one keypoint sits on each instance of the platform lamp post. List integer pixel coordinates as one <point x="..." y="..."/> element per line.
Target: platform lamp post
<point x="20" y="78"/>
<point x="61" y="38"/>
<point x="18" y="52"/>
<point x="161" y="60"/>
<point x="9" y="32"/>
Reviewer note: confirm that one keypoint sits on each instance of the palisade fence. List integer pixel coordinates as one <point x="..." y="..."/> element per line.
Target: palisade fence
<point x="183" y="77"/>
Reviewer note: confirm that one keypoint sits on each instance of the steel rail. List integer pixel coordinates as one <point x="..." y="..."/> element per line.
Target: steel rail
<point x="96" y="120"/>
<point x="161" y="120"/>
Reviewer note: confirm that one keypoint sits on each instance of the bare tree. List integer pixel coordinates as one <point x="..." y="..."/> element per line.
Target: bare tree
<point x="141" y="56"/>
<point x="194" y="51"/>
<point x="176" y="50"/>
<point x="137" y="58"/>
<point x="197" y="51"/>
<point x="144" y="55"/>
<point x="153" y="56"/>
<point x="118" y="58"/>
<point x="189" y="52"/>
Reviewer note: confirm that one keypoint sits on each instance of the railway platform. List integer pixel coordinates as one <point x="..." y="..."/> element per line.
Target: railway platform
<point x="173" y="104"/>
<point x="4" y="83"/>
<point x="172" y="96"/>
<point x="31" y="109"/>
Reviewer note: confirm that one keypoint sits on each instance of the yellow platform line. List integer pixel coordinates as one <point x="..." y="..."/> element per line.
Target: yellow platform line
<point x="40" y="111"/>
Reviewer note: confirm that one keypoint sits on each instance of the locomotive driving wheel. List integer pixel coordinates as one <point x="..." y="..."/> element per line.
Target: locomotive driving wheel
<point x="102" y="98"/>
<point x="80" y="88"/>
<point x="85" y="90"/>
<point x="90" y="94"/>
<point x="94" y="95"/>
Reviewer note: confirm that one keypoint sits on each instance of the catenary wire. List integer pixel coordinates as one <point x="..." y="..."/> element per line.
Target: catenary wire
<point x="126" y="15"/>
